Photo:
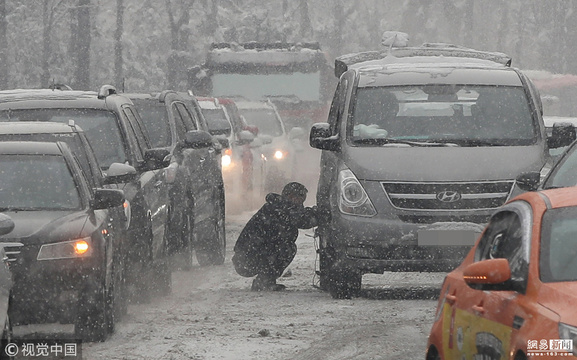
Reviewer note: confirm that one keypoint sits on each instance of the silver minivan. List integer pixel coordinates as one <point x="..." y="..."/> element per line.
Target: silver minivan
<point x="422" y="144"/>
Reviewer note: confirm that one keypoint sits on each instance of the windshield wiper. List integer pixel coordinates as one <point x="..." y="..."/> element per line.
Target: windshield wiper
<point x="383" y="141"/>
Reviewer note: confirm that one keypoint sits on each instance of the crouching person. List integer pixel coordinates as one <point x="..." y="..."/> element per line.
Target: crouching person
<point x="266" y="245"/>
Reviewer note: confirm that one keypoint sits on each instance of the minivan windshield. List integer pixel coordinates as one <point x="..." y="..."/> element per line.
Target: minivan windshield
<point x="464" y="115"/>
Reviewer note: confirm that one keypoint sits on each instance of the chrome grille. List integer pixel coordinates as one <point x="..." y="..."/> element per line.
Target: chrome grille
<point x="431" y="196"/>
<point x="11" y="250"/>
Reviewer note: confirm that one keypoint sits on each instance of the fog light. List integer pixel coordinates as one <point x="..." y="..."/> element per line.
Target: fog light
<point x="279" y="155"/>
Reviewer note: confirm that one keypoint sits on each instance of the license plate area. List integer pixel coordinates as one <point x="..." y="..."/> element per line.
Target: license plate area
<point x="447" y="237"/>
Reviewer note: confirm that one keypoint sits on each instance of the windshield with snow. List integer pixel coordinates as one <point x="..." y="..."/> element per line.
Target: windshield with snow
<point x="305" y="86"/>
<point x="35" y="182"/>
<point x="100" y="126"/>
<point x="467" y="115"/>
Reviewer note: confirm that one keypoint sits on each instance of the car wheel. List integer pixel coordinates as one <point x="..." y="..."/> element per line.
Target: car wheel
<point x="344" y="282"/>
<point x="92" y="322"/>
<point x="433" y="354"/>
<point x="211" y="249"/>
<point x="326" y="260"/>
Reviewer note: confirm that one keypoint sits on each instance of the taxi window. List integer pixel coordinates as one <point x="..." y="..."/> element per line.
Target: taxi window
<point x="503" y="239"/>
<point x="558" y="253"/>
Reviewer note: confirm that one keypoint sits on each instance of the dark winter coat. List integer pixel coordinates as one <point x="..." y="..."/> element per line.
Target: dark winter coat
<point x="277" y="221"/>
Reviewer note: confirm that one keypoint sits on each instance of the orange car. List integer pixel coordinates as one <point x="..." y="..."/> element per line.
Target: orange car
<point x="515" y="294"/>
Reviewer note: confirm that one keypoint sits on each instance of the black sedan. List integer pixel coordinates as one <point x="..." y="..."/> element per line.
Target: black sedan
<point x="65" y="270"/>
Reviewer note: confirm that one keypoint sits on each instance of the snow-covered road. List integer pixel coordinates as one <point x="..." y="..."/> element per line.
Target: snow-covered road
<point x="212" y="314"/>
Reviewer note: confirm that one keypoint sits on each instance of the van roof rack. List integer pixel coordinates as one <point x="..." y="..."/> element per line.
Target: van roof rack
<point x="343" y="62"/>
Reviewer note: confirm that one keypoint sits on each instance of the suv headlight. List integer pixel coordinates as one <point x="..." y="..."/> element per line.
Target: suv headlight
<point x="353" y="199"/>
<point x="568" y="332"/>
<point x="66" y="250"/>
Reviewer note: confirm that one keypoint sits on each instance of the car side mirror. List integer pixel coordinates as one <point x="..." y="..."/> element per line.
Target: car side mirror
<point x="491" y="274"/>
<point x="118" y="173"/>
<point x="529" y="181"/>
<point x="320" y="137"/>
<point x="245" y="137"/>
<point x="563" y="134"/>
<point x="6" y="224"/>
<point x="155" y="159"/>
<point x="197" y="139"/>
<point x="107" y="198"/>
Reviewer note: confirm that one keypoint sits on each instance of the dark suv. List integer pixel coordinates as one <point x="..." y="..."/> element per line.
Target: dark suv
<point x="65" y="268"/>
<point x="422" y="145"/>
<point x="196" y="207"/>
<point x="116" y="133"/>
<point x="75" y="138"/>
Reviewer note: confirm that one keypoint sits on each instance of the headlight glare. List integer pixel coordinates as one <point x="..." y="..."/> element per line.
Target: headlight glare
<point x="279" y="155"/>
<point x="226" y="160"/>
<point x="66" y="250"/>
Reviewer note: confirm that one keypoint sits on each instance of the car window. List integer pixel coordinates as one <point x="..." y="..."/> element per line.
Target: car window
<point x="137" y="128"/>
<point x="100" y="126"/>
<point x="187" y="117"/>
<point x="155" y="120"/>
<point x="217" y="121"/>
<point x="506" y="237"/>
<point x="558" y="253"/>
<point x="36" y="182"/>
<point x="179" y="121"/>
<point x="337" y="108"/>
<point x="84" y="156"/>
<point x="264" y="119"/>
<point x="465" y="114"/>
<point x="564" y="174"/>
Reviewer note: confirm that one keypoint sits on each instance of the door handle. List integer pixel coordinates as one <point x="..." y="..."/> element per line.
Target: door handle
<point x="202" y="159"/>
<point x="479" y="309"/>
<point x="451" y="298"/>
<point x="158" y="184"/>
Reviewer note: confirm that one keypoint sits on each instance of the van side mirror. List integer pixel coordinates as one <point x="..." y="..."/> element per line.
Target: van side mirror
<point x="245" y="137"/>
<point x="563" y="134"/>
<point x="320" y="137"/>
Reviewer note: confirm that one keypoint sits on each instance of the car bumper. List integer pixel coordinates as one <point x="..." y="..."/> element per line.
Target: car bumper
<point x="377" y="244"/>
<point x="48" y="290"/>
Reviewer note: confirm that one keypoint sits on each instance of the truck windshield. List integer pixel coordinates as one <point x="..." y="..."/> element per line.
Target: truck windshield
<point x="466" y="115"/>
<point x="305" y="86"/>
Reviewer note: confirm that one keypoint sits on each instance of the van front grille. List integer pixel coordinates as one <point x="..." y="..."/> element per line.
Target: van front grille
<point x="444" y="196"/>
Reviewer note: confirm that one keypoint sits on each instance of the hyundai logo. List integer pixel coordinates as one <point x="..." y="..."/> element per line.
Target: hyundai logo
<point x="448" y="196"/>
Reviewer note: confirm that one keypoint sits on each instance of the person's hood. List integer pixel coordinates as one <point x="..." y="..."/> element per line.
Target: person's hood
<point x="274" y="199"/>
<point x="36" y="227"/>
<point x="402" y="163"/>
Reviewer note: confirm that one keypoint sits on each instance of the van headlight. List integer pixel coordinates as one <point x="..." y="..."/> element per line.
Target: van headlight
<point x="353" y="199"/>
<point x="568" y="332"/>
<point x="66" y="250"/>
<point x="279" y="154"/>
